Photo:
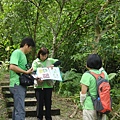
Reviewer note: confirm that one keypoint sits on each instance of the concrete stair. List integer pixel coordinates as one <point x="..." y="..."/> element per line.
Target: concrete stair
<point x="30" y="102"/>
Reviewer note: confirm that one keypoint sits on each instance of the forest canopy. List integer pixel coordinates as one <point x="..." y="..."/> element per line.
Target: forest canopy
<point x="70" y="29"/>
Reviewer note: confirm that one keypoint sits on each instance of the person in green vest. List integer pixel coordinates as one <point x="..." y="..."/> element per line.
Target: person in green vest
<point x="43" y="88"/>
<point x="88" y="82"/>
<point x="18" y="62"/>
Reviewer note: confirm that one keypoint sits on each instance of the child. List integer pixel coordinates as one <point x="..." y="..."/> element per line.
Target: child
<point x="88" y="83"/>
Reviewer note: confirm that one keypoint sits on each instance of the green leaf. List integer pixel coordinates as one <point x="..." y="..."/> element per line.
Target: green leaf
<point x="111" y="76"/>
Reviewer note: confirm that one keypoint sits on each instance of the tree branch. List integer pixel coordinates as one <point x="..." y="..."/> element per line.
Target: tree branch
<point x="98" y="31"/>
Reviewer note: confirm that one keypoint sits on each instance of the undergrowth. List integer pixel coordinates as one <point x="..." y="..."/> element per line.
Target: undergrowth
<point x="3" y="110"/>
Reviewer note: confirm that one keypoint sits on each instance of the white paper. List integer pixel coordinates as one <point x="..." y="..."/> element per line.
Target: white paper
<point x="49" y="73"/>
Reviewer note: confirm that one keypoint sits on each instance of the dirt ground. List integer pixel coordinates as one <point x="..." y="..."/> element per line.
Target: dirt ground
<point x="67" y="108"/>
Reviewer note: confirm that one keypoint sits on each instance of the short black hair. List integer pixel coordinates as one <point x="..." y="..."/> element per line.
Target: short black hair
<point x="94" y="61"/>
<point x="42" y="51"/>
<point x="29" y="41"/>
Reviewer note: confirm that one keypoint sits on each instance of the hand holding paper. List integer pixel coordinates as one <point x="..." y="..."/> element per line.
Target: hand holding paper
<point x="49" y="73"/>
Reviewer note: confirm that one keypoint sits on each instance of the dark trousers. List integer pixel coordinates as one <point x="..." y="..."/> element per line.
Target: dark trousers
<point x="43" y="97"/>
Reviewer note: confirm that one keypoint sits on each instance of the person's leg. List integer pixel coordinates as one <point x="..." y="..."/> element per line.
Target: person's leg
<point x="103" y="117"/>
<point x="89" y="115"/>
<point x="48" y="102"/>
<point x="13" y="112"/>
<point x="39" y="93"/>
<point x="19" y="93"/>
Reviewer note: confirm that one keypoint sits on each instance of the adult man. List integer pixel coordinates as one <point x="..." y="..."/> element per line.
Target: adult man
<point x="18" y="63"/>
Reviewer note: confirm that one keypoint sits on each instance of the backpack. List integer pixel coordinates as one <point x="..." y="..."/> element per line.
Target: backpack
<point x="103" y="102"/>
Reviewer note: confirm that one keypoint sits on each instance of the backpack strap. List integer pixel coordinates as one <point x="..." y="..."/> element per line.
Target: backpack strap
<point x="96" y="76"/>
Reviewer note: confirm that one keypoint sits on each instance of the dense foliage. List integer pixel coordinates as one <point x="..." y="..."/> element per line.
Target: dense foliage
<point x="70" y="29"/>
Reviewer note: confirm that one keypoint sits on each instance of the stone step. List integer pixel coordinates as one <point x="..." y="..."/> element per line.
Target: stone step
<point x="7" y="94"/>
<point x="28" y="102"/>
<point x="31" y="112"/>
<point x="34" y="118"/>
<point x="6" y="88"/>
<point x="4" y="83"/>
